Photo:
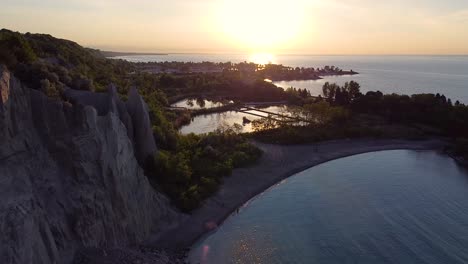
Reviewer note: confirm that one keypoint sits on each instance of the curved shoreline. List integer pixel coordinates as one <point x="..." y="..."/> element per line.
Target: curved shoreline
<point x="277" y="163"/>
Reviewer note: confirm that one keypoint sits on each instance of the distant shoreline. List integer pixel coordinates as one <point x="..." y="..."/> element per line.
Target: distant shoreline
<point x="111" y="54"/>
<point x="292" y="55"/>
<point x="278" y="163"/>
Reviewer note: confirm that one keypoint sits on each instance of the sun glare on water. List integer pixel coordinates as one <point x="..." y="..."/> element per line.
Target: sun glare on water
<point x="260" y="25"/>
<point x="262" y="58"/>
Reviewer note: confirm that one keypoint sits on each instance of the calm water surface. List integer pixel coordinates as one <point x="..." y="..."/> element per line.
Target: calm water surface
<point x="390" y="74"/>
<point x="199" y="104"/>
<point x="209" y="123"/>
<point x="395" y="74"/>
<point x="383" y="207"/>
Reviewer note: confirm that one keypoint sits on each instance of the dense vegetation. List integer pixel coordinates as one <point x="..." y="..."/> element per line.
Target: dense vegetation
<point x="233" y="85"/>
<point x="195" y="170"/>
<point x="49" y="64"/>
<point x="432" y="110"/>
<point x="344" y="112"/>
<point x="323" y="121"/>
<point x="238" y="81"/>
<point x="274" y="72"/>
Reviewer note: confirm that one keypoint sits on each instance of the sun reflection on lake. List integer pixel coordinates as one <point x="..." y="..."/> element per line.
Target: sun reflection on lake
<point x="262" y="58"/>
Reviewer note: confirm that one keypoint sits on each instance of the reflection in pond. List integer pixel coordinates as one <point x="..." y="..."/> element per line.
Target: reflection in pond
<point x="200" y="103"/>
<point x="211" y="122"/>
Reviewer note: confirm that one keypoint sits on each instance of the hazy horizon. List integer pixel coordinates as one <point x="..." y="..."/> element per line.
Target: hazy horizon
<point x="162" y="53"/>
<point x="295" y="27"/>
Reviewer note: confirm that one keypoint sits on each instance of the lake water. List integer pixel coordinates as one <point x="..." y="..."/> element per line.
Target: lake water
<point x="383" y="207"/>
<point x="397" y="74"/>
<point x="390" y="74"/>
<point x="210" y="122"/>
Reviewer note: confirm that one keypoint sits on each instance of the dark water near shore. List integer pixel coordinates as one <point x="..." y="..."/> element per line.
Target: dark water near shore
<point x="390" y="74"/>
<point x="383" y="207"/>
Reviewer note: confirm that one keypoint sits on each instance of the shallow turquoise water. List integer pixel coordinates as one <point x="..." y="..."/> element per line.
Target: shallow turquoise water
<point x="382" y="207"/>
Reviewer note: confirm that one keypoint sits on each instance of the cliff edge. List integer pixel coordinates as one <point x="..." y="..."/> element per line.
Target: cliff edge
<point x="69" y="178"/>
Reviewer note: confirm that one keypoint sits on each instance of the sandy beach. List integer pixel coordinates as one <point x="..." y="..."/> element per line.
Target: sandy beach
<point x="277" y="163"/>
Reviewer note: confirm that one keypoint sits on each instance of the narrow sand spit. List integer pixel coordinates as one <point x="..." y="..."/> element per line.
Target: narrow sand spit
<point x="277" y="163"/>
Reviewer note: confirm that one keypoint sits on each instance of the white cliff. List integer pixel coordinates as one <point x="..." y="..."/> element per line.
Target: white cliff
<point x="133" y="114"/>
<point x="69" y="178"/>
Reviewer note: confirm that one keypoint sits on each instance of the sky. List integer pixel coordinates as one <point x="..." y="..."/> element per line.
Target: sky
<point x="256" y="26"/>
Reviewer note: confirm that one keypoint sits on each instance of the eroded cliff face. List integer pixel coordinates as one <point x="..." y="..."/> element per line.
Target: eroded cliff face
<point x="69" y="179"/>
<point x="133" y="114"/>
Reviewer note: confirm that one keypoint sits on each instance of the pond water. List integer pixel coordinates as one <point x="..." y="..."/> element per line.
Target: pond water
<point x="194" y="104"/>
<point x="210" y="122"/>
<point x="382" y="207"/>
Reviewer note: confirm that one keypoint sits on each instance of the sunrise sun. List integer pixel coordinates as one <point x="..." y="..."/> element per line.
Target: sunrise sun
<point x="260" y="25"/>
